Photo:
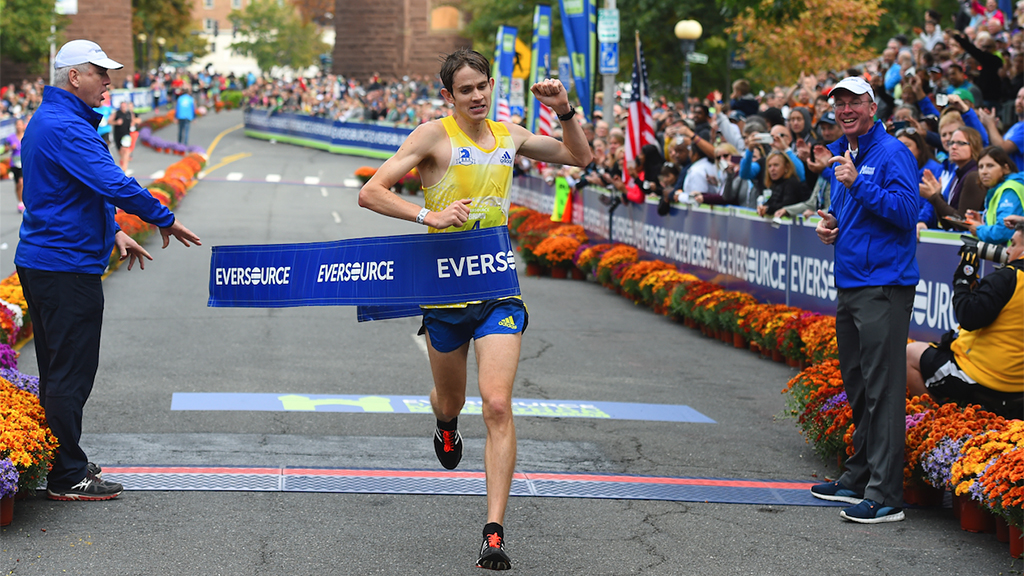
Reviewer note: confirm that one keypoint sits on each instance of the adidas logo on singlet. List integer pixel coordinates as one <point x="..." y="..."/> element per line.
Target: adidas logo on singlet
<point x="508" y="323"/>
<point x="506" y="159"/>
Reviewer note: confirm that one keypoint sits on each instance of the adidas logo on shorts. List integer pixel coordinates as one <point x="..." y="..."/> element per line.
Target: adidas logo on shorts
<point x="508" y="323"/>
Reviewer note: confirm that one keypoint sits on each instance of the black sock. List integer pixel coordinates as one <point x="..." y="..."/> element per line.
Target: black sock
<point x="494" y="528"/>
<point x="449" y="426"/>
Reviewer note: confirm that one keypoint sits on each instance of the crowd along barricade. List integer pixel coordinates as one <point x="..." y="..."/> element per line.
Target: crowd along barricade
<point x="779" y="263"/>
<point x="352" y="138"/>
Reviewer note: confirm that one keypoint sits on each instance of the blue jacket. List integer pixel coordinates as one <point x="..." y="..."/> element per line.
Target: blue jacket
<point x="877" y="241"/>
<point x="185" y="108"/>
<point x="71" y="188"/>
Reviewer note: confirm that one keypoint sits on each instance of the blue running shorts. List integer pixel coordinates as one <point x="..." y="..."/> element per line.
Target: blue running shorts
<point x="450" y="328"/>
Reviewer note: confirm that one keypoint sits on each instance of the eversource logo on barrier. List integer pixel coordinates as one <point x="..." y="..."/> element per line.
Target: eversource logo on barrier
<point x="253" y="276"/>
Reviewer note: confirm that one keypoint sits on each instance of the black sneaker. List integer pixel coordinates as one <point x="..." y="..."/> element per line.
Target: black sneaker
<point x="90" y="488"/>
<point x="492" y="553"/>
<point x="448" y="447"/>
<point x="94" y="469"/>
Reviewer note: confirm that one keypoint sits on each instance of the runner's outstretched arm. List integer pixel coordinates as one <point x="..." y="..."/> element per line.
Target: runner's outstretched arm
<point x="573" y="150"/>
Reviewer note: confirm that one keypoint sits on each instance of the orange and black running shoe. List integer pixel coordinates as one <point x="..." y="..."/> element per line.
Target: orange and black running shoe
<point x="492" y="553"/>
<point x="448" y="447"/>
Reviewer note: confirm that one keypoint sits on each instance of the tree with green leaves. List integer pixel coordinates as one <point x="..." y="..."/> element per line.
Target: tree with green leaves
<point x="167" y="19"/>
<point x="25" y="31"/>
<point x="275" y="35"/>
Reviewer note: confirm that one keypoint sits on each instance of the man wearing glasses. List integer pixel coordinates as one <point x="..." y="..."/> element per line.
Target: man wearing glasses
<point x="871" y="223"/>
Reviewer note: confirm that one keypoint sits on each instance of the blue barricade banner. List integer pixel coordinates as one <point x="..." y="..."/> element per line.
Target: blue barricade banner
<point x="734" y="247"/>
<point x="141" y="98"/>
<point x="354" y="138"/>
<point x="392" y="275"/>
<point x="540" y="59"/>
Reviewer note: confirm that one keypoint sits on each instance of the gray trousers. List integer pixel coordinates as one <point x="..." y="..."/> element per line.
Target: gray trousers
<point x="872" y="324"/>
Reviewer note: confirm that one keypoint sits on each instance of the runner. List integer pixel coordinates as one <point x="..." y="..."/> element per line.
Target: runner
<point x="465" y="164"/>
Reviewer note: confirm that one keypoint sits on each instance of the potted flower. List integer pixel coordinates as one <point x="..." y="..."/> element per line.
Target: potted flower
<point x="27" y="442"/>
<point x="634" y="277"/>
<point x="1001" y="487"/>
<point x="364" y="173"/>
<point x="556" y="253"/>
<point x="589" y="256"/>
<point x="8" y="488"/>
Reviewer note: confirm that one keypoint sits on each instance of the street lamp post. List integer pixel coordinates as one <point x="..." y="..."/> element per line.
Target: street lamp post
<point x="160" y="41"/>
<point x="688" y="31"/>
<point x="145" y="52"/>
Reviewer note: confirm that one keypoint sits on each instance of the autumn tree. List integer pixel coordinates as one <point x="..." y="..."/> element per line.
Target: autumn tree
<point x="824" y="35"/>
<point x="25" y="31"/>
<point x="275" y="35"/>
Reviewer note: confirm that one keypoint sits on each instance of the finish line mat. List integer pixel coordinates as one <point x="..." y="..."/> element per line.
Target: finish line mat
<point x="421" y="405"/>
<point x="464" y="483"/>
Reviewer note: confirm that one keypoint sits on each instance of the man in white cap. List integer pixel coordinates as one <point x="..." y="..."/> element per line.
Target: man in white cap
<point x="871" y="221"/>
<point x="68" y="231"/>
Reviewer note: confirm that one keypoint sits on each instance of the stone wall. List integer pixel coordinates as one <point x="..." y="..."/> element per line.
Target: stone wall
<point x="390" y="37"/>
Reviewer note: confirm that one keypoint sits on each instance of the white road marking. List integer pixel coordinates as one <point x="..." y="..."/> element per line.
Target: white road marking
<point x="352" y="183"/>
<point x="323" y="192"/>
<point x="273" y="177"/>
<point x="310" y="180"/>
<point x="421" y="343"/>
<point x="337" y="218"/>
<point x="157" y="175"/>
<point x="233" y="176"/>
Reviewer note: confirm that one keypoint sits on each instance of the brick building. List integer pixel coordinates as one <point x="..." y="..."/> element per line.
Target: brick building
<point x="106" y="22"/>
<point x="395" y="37"/>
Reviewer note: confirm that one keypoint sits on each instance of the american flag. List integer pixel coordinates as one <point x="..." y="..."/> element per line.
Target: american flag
<point x="545" y="120"/>
<point x="503" y="110"/>
<point x="640" y="123"/>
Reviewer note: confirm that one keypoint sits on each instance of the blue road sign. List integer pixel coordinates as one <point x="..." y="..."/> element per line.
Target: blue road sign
<point x="609" y="61"/>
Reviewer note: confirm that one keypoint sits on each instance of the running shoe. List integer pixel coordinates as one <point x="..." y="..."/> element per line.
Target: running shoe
<point x="836" y="492"/>
<point x="871" y="512"/>
<point x="90" y="488"/>
<point x="448" y="447"/>
<point x="94" y="469"/>
<point x="492" y="553"/>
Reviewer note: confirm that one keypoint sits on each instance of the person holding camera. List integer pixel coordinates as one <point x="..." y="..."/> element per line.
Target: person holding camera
<point x="1005" y="196"/>
<point x="983" y="363"/>
<point x="871" y="223"/>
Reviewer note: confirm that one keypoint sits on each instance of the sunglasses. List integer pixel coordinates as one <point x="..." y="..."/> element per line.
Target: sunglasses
<point x="909" y="131"/>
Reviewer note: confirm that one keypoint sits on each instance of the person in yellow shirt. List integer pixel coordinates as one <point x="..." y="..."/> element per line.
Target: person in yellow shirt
<point x="984" y="363"/>
<point x="465" y="164"/>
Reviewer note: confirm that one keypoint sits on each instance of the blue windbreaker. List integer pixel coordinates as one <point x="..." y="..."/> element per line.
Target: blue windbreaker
<point x="877" y="241"/>
<point x="71" y="188"/>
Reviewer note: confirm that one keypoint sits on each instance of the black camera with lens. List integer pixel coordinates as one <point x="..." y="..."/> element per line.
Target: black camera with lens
<point x="986" y="250"/>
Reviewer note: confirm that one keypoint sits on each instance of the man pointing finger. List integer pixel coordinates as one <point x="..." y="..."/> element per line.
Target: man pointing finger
<point x="871" y="223"/>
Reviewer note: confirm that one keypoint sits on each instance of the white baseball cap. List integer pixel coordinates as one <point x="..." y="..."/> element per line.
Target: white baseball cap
<point x="81" y="51"/>
<point x="854" y="84"/>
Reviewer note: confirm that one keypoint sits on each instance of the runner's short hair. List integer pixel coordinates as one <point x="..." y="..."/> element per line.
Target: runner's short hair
<point x="463" y="57"/>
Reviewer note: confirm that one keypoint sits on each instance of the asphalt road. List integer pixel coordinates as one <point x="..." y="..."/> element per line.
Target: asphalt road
<point x="583" y="343"/>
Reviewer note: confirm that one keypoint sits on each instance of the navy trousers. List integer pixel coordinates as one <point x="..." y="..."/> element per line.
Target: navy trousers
<point x="67" y="316"/>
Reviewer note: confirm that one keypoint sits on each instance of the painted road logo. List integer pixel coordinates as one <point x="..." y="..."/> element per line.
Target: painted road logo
<point x="263" y="402"/>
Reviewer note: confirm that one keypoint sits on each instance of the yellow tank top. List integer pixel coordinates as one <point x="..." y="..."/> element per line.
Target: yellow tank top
<point x="483" y="175"/>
